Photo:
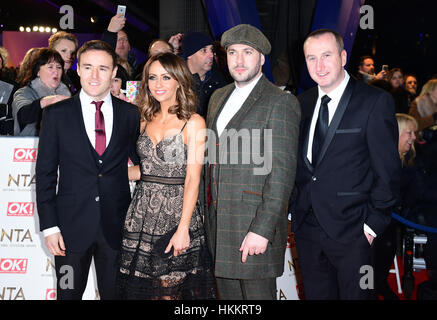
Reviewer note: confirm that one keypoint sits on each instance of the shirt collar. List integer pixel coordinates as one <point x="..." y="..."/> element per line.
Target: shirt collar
<point x="337" y="92"/>
<point x="87" y="100"/>
<point x="248" y="87"/>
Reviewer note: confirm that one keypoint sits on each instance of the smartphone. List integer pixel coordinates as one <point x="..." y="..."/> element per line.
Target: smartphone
<point x="385" y="67"/>
<point x="132" y="90"/>
<point x="122" y="10"/>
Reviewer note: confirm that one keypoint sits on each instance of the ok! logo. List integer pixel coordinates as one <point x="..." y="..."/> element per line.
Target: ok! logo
<point x="13" y="265"/>
<point x="20" y="209"/>
<point x="25" y="154"/>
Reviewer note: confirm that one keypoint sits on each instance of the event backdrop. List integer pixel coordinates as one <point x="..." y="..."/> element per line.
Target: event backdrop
<point x="26" y="267"/>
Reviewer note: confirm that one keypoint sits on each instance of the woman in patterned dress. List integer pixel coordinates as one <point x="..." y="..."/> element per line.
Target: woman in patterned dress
<point x="164" y="252"/>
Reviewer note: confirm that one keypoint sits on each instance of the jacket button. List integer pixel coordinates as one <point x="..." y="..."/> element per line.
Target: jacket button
<point x="97" y="198"/>
<point x="100" y="175"/>
<point x="314" y="178"/>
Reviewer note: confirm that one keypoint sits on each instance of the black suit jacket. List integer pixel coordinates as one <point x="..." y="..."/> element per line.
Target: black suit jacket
<point x="357" y="178"/>
<point x="92" y="189"/>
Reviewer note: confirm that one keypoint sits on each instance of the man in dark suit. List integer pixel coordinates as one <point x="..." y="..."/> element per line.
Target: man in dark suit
<point x="246" y="220"/>
<point x="89" y="138"/>
<point x="347" y="174"/>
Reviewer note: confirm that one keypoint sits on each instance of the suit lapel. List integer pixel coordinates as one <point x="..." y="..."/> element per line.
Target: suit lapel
<point x="115" y="126"/>
<point x="306" y="128"/>
<point x="248" y="104"/>
<point x="81" y="125"/>
<point x="219" y="106"/>
<point x="341" y="108"/>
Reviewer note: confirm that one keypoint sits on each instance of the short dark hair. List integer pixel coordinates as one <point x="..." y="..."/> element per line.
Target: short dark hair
<point x="320" y="32"/>
<point x="100" y="46"/>
<point x="42" y="57"/>
<point x="362" y="58"/>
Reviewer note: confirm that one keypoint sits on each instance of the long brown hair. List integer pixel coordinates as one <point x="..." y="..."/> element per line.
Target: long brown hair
<point x="186" y="100"/>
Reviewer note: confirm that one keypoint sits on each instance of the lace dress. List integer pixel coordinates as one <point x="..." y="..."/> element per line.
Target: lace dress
<point x="153" y="216"/>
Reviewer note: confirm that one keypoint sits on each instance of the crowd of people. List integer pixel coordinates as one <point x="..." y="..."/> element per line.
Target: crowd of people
<point x="342" y="156"/>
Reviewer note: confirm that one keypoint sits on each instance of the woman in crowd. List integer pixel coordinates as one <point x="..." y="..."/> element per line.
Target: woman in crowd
<point x="66" y="44"/>
<point x="385" y="244"/>
<point x="411" y="84"/>
<point x="119" y="83"/>
<point x="164" y="251"/>
<point x="396" y="78"/>
<point x="424" y="107"/>
<point x="418" y="195"/>
<point x="43" y="87"/>
<point x="24" y="71"/>
<point x="400" y="95"/>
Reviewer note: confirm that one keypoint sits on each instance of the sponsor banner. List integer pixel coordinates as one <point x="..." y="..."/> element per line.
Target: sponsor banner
<point x="27" y="269"/>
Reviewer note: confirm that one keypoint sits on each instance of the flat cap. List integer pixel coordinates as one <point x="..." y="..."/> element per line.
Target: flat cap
<point x="246" y="34"/>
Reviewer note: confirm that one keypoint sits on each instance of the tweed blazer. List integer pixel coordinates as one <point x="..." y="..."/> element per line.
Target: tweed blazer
<point x="249" y="192"/>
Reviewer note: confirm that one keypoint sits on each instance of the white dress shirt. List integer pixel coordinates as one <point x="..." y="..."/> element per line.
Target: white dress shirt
<point x="234" y="103"/>
<point x="335" y="96"/>
<point x="88" y="113"/>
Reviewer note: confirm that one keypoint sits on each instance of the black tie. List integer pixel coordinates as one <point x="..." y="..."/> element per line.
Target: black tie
<point x="321" y="129"/>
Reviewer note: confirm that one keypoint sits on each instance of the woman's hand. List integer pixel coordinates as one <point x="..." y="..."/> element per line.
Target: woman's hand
<point x="180" y="242"/>
<point x="46" y="101"/>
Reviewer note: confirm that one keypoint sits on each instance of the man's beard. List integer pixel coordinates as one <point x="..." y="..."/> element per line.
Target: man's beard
<point x="239" y="79"/>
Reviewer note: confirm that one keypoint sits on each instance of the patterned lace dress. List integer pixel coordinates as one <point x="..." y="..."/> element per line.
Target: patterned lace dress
<point x="154" y="214"/>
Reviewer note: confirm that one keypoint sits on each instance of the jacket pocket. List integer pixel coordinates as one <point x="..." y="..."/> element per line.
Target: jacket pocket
<point x="251" y="197"/>
<point x="352" y="130"/>
<point x="354" y="193"/>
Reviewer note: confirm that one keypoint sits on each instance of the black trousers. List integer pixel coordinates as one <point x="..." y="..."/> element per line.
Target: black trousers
<point x="333" y="270"/>
<point x="72" y="270"/>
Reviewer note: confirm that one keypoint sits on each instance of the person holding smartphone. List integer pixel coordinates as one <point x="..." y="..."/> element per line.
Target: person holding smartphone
<point x="118" y="39"/>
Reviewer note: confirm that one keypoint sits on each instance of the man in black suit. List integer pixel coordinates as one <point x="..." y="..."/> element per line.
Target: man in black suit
<point x="347" y="174"/>
<point x="90" y="142"/>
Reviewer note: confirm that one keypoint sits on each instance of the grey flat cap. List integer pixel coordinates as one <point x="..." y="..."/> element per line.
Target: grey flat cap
<point x="246" y="34"/>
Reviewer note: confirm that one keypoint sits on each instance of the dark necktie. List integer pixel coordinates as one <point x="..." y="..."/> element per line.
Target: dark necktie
<point x="100" y="129"/>
<point x="321" y="129"/>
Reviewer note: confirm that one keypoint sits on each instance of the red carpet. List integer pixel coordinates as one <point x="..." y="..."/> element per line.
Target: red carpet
<point x="419" y="277"/>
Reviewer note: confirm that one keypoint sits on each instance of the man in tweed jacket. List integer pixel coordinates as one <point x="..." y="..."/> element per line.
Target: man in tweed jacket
<point x="251" y="163"/>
